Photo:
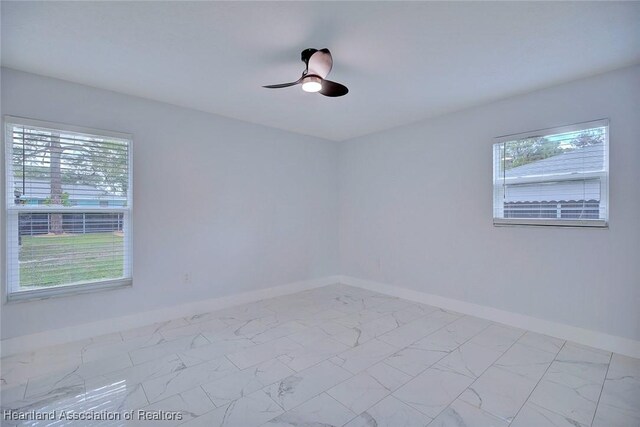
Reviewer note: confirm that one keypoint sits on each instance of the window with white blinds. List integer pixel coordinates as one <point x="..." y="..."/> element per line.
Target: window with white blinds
<point x="556" y="176"/>
<point x="68" y="208"/>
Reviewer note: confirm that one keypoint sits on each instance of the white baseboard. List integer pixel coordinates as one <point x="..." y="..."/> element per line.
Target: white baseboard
<point x="620" y="345"/>
<point x="32" y="342"/>
<point x="588" y="337"/>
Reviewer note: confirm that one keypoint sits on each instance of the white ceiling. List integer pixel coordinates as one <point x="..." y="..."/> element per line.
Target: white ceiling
<point x="402" y="61"/>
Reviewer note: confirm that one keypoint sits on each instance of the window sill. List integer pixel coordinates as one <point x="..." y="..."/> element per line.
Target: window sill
<point x="504" y="222"/>
<point x="61" y="291"/>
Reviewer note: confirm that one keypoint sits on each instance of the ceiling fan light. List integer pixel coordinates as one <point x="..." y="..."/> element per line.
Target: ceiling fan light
<point x="312" y="84"/>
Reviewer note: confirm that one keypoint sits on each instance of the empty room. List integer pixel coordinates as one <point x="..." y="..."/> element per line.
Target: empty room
<point x="323" y="213"/>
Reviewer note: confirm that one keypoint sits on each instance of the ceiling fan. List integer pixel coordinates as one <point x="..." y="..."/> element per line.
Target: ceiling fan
<point x="318" y="64"/>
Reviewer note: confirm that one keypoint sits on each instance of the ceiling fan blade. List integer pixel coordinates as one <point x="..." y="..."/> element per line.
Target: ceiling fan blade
<point x="320" y="63"/>
<point x="305" y="55"/>
<point x="333" y="89"/>
<point x="278" y="86"/>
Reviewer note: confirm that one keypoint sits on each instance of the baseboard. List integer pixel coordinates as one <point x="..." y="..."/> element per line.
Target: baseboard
<point x="588" y="337"/>
<point x="32" y="342"/>
<point x="620" y="345"/>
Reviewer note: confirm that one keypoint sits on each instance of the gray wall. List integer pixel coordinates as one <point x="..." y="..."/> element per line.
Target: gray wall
<point x="244" y="207"/>
<point x="238" y="206"/>
<point x="416" y="211"/>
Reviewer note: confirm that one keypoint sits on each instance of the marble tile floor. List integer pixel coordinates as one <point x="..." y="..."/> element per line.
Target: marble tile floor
<point x="332" y="356"/>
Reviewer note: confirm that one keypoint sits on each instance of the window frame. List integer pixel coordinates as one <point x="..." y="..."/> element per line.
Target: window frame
<point x="552" y="222"/>
<point x="13" y="295"/>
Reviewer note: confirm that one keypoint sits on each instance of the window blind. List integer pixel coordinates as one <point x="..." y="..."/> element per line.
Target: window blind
<point x="68" y="206"/>
<point x="553" y="177"/>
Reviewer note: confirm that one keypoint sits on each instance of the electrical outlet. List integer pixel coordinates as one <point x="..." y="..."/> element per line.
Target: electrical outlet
<point x="186" y="278"/>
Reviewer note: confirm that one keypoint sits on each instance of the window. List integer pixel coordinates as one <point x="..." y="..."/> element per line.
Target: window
<point x="553" y="177"/>
<point x="68" y="209"/>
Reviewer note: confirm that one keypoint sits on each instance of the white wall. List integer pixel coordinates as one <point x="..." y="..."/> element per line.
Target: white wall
<point x="416" y="211"/>
<point x="238" y="206"/>
<point x="243" y="207"/>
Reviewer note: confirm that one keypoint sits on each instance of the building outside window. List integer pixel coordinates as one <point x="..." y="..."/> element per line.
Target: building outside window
<point x="553" y="177"/>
